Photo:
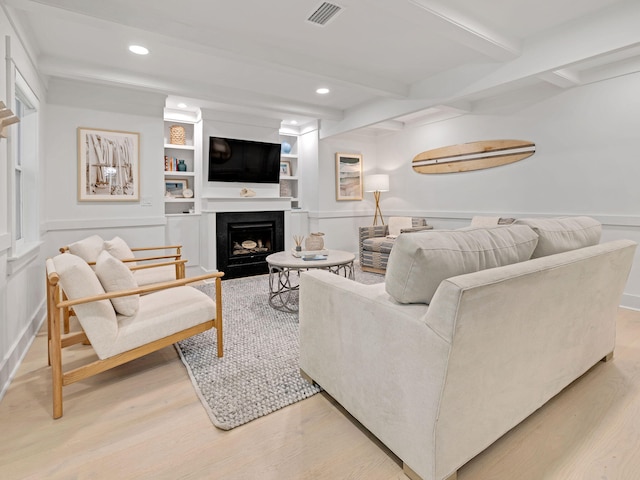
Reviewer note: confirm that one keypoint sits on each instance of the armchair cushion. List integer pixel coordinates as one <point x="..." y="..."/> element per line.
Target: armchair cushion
<point x="116" y="276"/>
<point x="557" y="235"/>
<point x="378" y="244"/>
<point x="418" y="263"/>
<point x="148" y="276"/>
<point x="119" y="249"/>
<point x="88" y="248"/>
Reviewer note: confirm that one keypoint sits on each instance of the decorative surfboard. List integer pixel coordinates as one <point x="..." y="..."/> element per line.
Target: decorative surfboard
<point x="472" y="156"/>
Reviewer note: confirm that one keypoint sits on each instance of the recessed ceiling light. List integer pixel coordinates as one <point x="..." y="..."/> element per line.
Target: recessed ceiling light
<point x="182" y="105"/>
<point x="138" y="49"/>
<point x="293" y="122"/>
<point x="322" y="91"/>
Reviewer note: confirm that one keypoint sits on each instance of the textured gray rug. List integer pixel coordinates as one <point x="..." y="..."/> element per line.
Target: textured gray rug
<point x="260" y="371"/>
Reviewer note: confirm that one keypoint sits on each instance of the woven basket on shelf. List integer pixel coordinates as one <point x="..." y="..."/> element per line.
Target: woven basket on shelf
<point x="177" y="135"/>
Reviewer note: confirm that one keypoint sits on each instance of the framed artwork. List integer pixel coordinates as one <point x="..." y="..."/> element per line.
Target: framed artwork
<point x="285" y="168"/>
<point x="174" y="187"/>
<point x="108" y="165"/>
<point x="348" y="176"/>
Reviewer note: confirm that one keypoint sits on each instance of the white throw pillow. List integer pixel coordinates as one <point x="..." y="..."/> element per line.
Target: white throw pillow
<point x="88" y="248"/>
<point x="116" y="276"/>
<point x="396" y="224"/>
<point x="557" y="235"/>
<point x="484" y="221"/>
<point x="418" y="263"/>
<point x="119" y="249"/>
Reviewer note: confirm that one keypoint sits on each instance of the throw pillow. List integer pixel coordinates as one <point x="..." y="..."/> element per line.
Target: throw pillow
<point x="557" y="235"/>
<point x="484" y="221"/>
<point x="119" y="249"/>
<point x="88" y="248"/>
<point x="418" y="263"/>
<point x="396" y="224"/>
<point x="115" y="276"/>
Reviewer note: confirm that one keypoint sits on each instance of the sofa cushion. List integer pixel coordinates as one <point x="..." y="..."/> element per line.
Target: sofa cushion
<point x="119" y="249"/>
<point x="418" y="263"/>
<point x="114" y="277"/>
<point x="557" y="235"/>
<point x="88" y="248"/>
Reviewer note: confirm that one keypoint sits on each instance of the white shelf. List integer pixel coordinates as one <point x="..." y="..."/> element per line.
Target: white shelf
<point x="179" y="147"/>
<point x="179" y="200"/>
<point x="288" y="177"/>
<point x="171" y="173"/>
<point x="288" y="155"/>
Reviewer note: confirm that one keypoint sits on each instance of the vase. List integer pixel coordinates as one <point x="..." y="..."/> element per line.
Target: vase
<point x="286" y="147"/>
<point x="182" y="167"/>
<point x="314" y="241"/>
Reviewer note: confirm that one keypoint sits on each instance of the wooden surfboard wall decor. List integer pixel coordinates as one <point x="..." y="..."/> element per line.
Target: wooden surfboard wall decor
<point x="472" y="156"/>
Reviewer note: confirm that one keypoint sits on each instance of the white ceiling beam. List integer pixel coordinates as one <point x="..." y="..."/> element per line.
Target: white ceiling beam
<point x="57" y="67"/>
<point x="563" y="78"/>
<point x="471" y="32"/>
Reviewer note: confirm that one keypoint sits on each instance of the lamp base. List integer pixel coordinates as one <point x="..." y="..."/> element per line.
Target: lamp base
<point x="376" y="195"/>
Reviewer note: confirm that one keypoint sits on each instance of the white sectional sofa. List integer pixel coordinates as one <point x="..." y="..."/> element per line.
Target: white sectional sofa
<point x="471" y="332"/>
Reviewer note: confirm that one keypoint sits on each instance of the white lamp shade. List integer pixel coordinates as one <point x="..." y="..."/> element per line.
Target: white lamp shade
<point x="376" y="183"/>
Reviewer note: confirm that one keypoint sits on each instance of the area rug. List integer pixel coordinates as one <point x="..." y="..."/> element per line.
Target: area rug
<point x="260" y="371"/>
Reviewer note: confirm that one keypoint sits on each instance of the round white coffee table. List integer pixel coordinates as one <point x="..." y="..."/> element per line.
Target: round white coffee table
<point x="283" y="293"/>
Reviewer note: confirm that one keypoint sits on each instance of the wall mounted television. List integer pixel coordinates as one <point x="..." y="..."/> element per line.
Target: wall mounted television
<point x="245" y="161"/>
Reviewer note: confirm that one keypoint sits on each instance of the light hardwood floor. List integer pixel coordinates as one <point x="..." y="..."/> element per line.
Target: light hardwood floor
<point x="143" y="420"/>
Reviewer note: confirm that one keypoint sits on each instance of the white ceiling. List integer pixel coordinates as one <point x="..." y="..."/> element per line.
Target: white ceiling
<point x="387" y="62"/>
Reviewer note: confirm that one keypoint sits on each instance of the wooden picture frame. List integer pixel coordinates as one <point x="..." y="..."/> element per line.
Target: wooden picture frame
<point x="285" y="168"/>
<point x="174" y="187"/>
<point x="108" y="165"/>
<point x="348" y="176"/>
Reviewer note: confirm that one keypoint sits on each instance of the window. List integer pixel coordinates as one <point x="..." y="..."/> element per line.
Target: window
<point x="24" y="150"/>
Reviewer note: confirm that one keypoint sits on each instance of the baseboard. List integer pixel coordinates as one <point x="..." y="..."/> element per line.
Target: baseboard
<point x="630" y="301"/>
<point x="19" y="349"/>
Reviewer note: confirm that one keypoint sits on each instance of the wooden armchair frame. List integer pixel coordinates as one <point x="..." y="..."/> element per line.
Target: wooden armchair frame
<point x="59" y="306"/>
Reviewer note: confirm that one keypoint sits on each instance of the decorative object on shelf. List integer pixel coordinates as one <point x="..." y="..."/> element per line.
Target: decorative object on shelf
<point x="314" y="241"/>
<point x="167" y="194"/>
<point x="247" y="192"/>
<point x="298" y="241"/>
<point x="472" y="156"/>
<point x="187" y="193"/>
<point x="285" y="168"/>
<point x="376" y="184"/>
<point x="177" y="135"/>
<point x="182" y="167"/>
<point x="7" y="117"/>
<point x="285" y="189"/>
<point x="348" y="176"/>
<point x="108" y="165"/>
<point x="286" y="147"/>
<point x="176" y="186"/>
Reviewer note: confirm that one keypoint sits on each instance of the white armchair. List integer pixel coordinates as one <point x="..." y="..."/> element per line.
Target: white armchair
<point x="120" y="319"/>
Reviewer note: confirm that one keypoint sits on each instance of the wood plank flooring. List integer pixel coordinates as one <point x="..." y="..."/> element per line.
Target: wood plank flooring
<point x="143" y="420"/>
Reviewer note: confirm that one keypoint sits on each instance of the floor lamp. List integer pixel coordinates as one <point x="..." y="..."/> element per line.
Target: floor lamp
<point x="377" y="184"/>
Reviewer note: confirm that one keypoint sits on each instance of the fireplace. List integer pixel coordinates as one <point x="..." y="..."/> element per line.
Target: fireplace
<point x="245" y="239"/>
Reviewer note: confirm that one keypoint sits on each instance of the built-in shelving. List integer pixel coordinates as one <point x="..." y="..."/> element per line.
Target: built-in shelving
<point x="175" y="181"/>
<point x="289" y="185"/>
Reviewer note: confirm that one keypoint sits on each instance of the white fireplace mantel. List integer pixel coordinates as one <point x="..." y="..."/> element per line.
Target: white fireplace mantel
<point x="245" y="204"/>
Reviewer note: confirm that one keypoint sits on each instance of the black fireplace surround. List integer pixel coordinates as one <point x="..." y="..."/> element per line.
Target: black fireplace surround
<point x="245" y="239"/>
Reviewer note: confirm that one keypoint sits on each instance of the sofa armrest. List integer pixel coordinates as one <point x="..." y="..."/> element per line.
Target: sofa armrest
<point x="376" y="357"/>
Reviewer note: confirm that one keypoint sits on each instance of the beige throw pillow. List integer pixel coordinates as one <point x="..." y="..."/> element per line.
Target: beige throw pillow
<point x="557" y="235"/>
<point x="88" y="248"/>
<point x="397" y="224"/>
<point x="418" y="263"/>
<point x="119" y="249"/>
<point x="115" y="276"/>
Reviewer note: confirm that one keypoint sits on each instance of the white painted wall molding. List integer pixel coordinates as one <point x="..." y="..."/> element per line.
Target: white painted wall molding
<point x="102" y="223"/>
<point x="19" y="349"/>
<point x="630" y="301"/>
<point x="5" y="242"/>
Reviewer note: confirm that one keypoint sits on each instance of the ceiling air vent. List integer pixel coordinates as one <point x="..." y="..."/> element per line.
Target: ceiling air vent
<point x="324" y="13"/>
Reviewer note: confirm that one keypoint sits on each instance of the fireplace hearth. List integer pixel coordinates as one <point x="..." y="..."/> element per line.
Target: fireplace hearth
<point x="245" y="239"/>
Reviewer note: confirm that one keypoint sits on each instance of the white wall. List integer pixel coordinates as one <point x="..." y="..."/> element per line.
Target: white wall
<point x="585" y="163"/>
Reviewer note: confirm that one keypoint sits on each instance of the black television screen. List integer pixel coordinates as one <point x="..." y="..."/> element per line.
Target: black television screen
<point x="232" y="160"/>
